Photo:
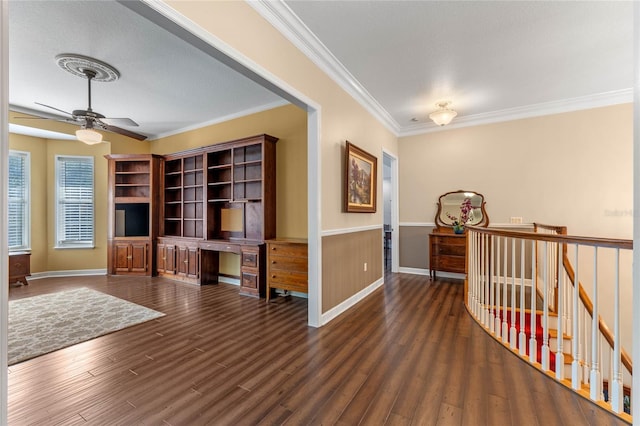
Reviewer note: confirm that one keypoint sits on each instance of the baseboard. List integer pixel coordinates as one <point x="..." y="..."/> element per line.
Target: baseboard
<point x="70" y="273"/>
<point x="353" y="300"/>
<point x="421" y="271"/>
<point x="229" y="280"/>
<point x="414" y="271"/>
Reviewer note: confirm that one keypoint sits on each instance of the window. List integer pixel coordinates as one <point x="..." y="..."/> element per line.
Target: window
<point x="19" y="223"/>
<point x="74" y="201"/>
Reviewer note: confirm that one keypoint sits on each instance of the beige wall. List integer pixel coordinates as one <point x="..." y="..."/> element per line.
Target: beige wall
<point x="341" y="117"/>
<point x="44" y="257"/>
<point x="572" y="169"/>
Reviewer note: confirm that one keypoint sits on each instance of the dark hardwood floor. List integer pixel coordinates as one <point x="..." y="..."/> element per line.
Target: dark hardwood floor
<point x="408" y="354"/>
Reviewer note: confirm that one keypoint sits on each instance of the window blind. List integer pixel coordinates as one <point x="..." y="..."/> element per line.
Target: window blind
<point x="18" y="203"/>
<point x="75" y="216"/>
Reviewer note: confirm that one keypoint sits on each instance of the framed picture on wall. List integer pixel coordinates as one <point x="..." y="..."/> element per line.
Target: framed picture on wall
<point x="360" y="179"/>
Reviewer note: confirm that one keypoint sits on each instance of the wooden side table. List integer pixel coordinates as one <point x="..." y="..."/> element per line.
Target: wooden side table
<point x="19" y="267"/>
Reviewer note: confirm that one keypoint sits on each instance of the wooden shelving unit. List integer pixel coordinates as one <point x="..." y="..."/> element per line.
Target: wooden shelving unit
<point x="133" y="218"/>
<point x="217" y="198"/>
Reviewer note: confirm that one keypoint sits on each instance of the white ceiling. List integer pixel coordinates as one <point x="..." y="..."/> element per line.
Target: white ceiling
<point x="493" y="60"/>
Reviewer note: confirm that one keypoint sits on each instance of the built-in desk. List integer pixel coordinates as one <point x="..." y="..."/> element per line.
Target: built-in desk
<point x="252" y="264"/>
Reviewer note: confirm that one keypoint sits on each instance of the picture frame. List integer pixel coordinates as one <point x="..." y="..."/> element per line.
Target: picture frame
<point x="360" y="180"/>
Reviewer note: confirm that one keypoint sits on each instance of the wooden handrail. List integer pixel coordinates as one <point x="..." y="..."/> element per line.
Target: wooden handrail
<point x="568" y="239"/>
<point x="604" y="329"/>
<point x="584" y="297"/>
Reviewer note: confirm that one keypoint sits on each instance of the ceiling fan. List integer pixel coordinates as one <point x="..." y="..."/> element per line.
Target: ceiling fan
<point x="90" y="120"/>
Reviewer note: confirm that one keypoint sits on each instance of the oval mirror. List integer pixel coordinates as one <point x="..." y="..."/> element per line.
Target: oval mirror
<point x="463" y="207"/>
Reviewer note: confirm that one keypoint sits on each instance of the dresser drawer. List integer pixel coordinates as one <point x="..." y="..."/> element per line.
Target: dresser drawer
<point x="451" y="250"/>
<point x="283" y="263"/>
<point x="300" y="287"/>
<point x="295" y="250"/>
<point x="451" y="264"/>
<point x="286" y="276"/>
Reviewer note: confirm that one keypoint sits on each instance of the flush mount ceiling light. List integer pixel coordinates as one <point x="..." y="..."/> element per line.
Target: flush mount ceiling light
<point x="443" y="115"/>
<point x="88" y="136"/>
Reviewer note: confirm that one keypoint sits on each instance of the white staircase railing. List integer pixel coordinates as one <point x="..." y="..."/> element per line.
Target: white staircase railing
<point x="548" y="297"/>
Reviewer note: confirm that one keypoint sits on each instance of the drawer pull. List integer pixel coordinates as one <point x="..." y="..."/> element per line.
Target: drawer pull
<point x="129" y="257"/>
<point x="17" y="265"/>
<point x="186" y="261"/>
<point x="273" y="248"/>
<point x="273" y="262"/>
<point x="273" y="276"/>
<point x="164" y="258"/>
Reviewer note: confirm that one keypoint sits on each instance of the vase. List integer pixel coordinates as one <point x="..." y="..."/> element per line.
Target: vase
<point x="458" y="229"/>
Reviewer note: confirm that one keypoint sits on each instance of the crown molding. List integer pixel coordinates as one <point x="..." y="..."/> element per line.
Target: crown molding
<point x="536" y="110"/>
<point x="278" y="14"/>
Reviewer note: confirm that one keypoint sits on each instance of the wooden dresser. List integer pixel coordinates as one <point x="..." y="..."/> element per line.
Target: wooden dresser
<point x="19" y="267"/>
<point x="287" y="265"/>
<point x="447" y="252"/>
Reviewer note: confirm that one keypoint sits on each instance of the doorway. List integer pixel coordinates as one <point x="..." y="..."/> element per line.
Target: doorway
<point x="390" y="212"/>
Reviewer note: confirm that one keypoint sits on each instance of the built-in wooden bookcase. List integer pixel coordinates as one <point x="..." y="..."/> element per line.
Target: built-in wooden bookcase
<point x="173" y="214"/>
<point x="133" y="218"/>
<point x="216" y="198"/>
<point x="183" y="199"/>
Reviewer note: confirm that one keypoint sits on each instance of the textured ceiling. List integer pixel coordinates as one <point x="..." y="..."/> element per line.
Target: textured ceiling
<point x="493" y="60"/>
<point x="166" y="85"/>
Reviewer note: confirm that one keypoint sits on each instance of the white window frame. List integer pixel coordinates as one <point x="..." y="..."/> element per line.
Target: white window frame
<point x="61" y="241"/>
<point x="25" y="199"/>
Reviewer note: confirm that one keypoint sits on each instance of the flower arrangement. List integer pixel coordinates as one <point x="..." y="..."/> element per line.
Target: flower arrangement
<point x="466" y="214"/>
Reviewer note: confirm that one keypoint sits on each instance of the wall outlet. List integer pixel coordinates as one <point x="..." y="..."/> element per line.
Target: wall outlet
<point x="516" y="219"/>
<point x="365" y="266"/>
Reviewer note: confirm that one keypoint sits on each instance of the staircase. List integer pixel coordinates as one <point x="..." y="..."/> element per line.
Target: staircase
<point x="505" y="267"/>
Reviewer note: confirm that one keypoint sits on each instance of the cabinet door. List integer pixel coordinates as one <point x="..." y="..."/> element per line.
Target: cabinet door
<point x="161" y="258"/>
<point x="183" y="260"/>
<point x="121" y="257"/>
<point x="192" y="262"/>
<point x="170" y="261"/>
<point x="138" y="257"/>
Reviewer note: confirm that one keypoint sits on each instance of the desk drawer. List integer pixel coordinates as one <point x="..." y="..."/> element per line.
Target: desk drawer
<point x="221" y="246"/>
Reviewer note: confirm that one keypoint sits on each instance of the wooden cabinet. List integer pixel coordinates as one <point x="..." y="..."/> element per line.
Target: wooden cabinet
<point x="287" y="265"/>
<point x="19" y="267"/>
<point x="166" y="257"/>
<point x="218" y="198"/>
<point x="131" y="256"/>
<point x="188" y="261"/>
<point x="178" y="258"/>
<point x="447" y="252"/>
<point x="252" y="270"/>
<point x="132" y="216"/>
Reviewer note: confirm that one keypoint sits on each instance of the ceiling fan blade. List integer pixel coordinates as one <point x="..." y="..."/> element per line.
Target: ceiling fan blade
<point x="124" y="132"/>
<point x="57" y="109"/>
<point x="119" y="122"/>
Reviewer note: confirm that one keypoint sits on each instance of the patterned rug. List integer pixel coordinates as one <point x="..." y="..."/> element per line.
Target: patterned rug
<point x="42" y="324"/>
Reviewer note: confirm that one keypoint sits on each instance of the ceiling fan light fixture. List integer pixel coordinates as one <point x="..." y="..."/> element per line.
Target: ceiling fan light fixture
<point x="443" y="115"/>
<point x="88" y="136"/>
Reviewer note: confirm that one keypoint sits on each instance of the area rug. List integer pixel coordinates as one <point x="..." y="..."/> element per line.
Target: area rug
<point x="42" y="324"/>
